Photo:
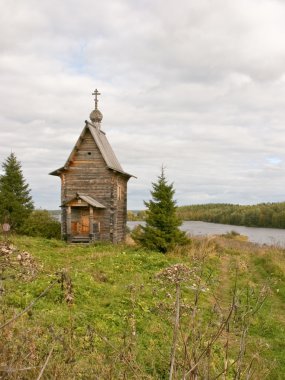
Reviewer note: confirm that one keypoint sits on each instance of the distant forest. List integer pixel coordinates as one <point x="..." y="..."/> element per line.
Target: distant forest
<point x="260" y="215"/>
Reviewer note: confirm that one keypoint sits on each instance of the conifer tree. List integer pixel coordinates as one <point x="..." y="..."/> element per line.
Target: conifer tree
<point x="161" y="231"/>
<point x="15" y="199"/>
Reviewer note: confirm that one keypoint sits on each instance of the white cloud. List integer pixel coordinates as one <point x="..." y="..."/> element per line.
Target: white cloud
<point x="198" y="86"/>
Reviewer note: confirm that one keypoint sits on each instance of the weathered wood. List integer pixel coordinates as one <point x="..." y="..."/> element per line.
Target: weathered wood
<point x="87" y="172"/>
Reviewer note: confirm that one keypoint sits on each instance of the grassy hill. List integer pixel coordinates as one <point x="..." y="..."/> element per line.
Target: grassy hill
<point x="107" y="312"/>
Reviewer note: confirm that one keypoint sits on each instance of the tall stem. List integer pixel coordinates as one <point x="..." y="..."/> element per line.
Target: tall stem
<point x="175" y="331"/>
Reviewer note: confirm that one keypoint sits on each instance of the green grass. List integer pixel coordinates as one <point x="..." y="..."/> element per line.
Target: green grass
<point x="116" y="292"/>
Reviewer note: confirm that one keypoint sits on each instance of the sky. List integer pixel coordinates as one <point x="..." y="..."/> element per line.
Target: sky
<point x="197" y="86"/>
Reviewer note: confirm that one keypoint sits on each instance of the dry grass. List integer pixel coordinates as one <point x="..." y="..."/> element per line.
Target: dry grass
<point x="110" y="317"/>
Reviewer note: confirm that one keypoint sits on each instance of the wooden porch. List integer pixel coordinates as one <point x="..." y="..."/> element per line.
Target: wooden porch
<point x="83" y="216"/>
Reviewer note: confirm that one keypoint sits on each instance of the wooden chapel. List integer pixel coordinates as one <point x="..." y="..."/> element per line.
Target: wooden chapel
<point x="93" y="187"/>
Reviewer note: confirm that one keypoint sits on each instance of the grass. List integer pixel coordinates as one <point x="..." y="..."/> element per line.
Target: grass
<point x="235" y="235"/>
<point x="119" y="323"/>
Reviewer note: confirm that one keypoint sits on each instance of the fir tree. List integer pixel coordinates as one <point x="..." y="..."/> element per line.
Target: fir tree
<point x="162" y="224"/>
<point x="15" y="199"/>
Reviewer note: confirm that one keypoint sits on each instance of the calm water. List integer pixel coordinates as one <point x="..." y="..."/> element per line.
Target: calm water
<point x="270" y="236"/>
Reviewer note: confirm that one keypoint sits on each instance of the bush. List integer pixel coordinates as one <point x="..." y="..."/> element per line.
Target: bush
<point x="41" y="223"/>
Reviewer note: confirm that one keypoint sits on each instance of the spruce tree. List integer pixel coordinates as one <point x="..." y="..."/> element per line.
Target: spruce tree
<point x="161" y="231"/>
<point x="15" y="199"/>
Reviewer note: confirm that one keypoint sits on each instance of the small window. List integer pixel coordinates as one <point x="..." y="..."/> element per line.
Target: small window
<point x="119" y="192"/>
<point x="89" y="153"/>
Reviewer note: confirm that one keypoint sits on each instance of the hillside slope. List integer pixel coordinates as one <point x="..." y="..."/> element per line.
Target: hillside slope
<point x="107" y="311"/>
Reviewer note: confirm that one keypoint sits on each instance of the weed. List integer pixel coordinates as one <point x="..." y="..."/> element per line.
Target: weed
<point x="111" y="312"/>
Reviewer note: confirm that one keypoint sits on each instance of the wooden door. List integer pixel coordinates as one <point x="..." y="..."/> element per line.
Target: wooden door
<point x="74" y="228"/>
<point x="84" y="224"/>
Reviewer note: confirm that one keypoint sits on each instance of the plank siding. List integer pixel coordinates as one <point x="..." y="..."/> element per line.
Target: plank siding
<point x="87" y="173"/>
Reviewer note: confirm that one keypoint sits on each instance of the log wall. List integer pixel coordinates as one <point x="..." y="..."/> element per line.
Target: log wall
<point x="88" y="174"/>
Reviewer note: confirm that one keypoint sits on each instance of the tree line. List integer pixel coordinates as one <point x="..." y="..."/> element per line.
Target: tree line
<point x="260" y="215"/>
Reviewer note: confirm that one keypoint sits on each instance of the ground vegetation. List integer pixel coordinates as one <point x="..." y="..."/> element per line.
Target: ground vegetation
<point x="41" y="223"/>
<point x="211" y="309"/>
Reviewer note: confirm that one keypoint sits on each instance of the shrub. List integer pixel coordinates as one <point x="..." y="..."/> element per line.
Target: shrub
<point x="41" y="223"/>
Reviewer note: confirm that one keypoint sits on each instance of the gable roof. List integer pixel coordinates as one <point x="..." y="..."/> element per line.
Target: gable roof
<point x="104" y="147"/>
<point x="86" y="198"/>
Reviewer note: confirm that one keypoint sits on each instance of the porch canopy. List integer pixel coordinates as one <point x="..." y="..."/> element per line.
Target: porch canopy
<point x="87" y="200"/>
<point x="80" y="220"/>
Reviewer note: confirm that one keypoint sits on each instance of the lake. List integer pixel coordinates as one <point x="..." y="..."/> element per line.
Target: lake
<point x="270" y="236"/>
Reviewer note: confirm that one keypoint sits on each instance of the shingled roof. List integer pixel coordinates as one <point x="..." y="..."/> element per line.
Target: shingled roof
<point x="103" y="145"/>
<point x="86" y="198"/>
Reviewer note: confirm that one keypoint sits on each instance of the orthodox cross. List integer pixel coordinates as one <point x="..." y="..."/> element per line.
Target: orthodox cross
<point x="96" y="93"/>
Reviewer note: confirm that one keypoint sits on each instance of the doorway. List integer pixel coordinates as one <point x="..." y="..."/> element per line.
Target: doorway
<point x="80" y="221"/>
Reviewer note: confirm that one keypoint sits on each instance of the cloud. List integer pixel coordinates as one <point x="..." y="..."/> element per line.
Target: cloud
<point x="197" y="87"/>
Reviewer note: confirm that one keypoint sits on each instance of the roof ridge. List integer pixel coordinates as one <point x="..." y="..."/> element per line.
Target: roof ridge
<point x="104" y="147"/>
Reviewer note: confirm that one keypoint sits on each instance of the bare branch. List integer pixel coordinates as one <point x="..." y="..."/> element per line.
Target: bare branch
<point x="10" y="370"/>
<point x="45" y="364"/>
<point x="175" y="331"/>
<point x="214" y="337"/>
<point x="29" y="306"/>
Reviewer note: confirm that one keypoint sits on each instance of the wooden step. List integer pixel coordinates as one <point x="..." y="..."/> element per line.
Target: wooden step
<point x="80" y="239"/>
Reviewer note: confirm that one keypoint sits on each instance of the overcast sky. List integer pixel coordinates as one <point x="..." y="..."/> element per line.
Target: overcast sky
<point x="195" y="85"/>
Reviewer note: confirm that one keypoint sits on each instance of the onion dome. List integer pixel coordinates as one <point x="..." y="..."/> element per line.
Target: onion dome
<point x="96" y="116"/>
